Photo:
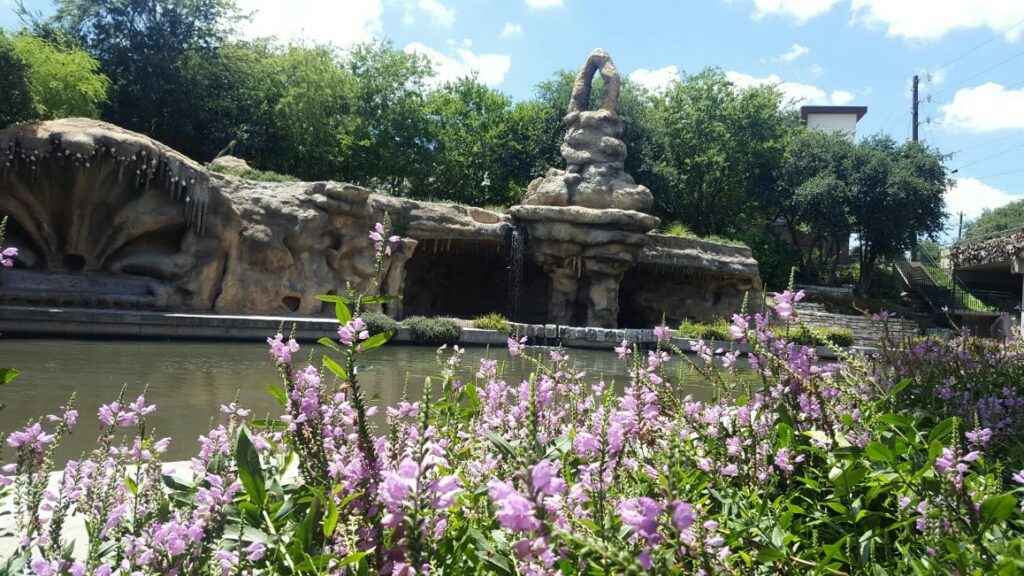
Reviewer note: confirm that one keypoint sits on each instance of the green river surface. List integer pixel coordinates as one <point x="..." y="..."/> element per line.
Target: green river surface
<point x="188" y="381"/>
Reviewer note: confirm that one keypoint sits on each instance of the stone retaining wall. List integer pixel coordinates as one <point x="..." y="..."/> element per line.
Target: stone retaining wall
<point x="866" y="332"/>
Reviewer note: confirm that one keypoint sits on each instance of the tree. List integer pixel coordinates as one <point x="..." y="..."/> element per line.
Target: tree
<point x="996" y="220"/>
<point x="471" y="128"/>
<point x="62" y="82"/>
<point x="391" y="144"/>
<point x="313" y="113"/>
<point x="896" y="195"/>
<point x="15" y="93"/>
<point x="144" y="47"/>
<point x="810" y="194"/>
<point x="721" y="145"/>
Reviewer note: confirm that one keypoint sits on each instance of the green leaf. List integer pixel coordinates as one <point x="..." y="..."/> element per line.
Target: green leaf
<point x="325" y="341"/>
<point x="250" y="472"/>
<point x="376" y="341"/>
<point x="379" y="299"/>
<point x="942" y="430"/>
<point x="335" y="367"/>
<point x="331" y="519"/>
<point x="351" y="559"/>
<point x="7" y="374"/>
<point x="131" y="485"/>
<point x="899" y="387"/>
<point x="996" y="509"/>
<point x="279" y="393"/>
<point x="332" y="298"/>
<point x="767" y="555"/>
<point x="896" y="420"/>
<point x="501" y="444"/>
<point x="342" y="313"/>
<point x="878" y="452"/>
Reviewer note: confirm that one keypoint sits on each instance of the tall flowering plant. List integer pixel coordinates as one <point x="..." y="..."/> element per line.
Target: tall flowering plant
<point x="905" y="462"/>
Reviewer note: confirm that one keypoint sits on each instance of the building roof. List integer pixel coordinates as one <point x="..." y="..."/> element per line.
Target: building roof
<point x="860" y="111"/>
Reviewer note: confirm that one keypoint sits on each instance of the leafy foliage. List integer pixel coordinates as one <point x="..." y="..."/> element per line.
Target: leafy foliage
<point x="993" y="220"/>
<point x="433" y="331"/>
<point x="63" y="82"/>
<point x="492" y="321"/>
<point x="15" y="94"/>
<point x="379" y="322"/>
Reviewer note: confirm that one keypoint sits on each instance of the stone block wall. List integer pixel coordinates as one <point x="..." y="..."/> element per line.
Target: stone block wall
<point x="866" y="332"/>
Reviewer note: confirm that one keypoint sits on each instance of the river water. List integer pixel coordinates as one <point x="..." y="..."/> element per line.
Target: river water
<point x="188" y="381"/>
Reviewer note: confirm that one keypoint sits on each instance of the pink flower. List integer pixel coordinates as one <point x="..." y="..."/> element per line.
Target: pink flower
<point x="32" y="438"/>
<point x="784" y="302"/>
<point x="515" y="347"/>
<point x="282" y="351"/>
<point x="683" y="516"/>
<point x="515" y="511"/>
<point x="641" y="514"/>
<point x="662" y="333"/>
<point x="623" y="350"/>
<point x="7" y="256"/>
<point x="545" y="478"/>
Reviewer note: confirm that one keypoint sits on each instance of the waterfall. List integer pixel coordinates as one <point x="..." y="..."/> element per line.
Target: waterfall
<point x="515" y="271"/>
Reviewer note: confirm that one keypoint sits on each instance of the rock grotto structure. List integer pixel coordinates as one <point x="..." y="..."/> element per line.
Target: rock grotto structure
<point x="105" y="217"/>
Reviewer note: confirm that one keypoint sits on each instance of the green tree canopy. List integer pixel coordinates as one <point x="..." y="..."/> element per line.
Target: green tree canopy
<point x="63" y="82"/>
<point x="472" y="130"/>
<point x="15" y="94"/>
<point x="391" y="147"/>
<point x="896" y="195"/>
<point x="144" y="47"/>
<point x="996" y="220"/>
<point x="721" y="146"/>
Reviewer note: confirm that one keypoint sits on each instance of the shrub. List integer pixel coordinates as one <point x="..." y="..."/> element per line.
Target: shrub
<point x="809" y="336"/>
<point x="492" y="321"/>
<point x="717" y="330"/>
<point x="378" y="322"/>
<point x="253" y="174"/>
<point x="434" y="331"/>
<point x="841" y="337"/>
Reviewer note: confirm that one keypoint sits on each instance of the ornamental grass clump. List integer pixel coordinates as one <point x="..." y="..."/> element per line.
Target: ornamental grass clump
<point x="908" y="462"/>
<point x="433" y="331"/>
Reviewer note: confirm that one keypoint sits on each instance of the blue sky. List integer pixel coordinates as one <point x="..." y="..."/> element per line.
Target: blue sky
<point x="970" y="55"/>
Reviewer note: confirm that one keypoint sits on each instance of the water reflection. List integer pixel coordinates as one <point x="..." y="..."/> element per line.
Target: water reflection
<point x="188" y="381"/>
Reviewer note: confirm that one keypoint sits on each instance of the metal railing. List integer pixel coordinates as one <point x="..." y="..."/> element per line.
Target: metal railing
<point x="944" y="292"/>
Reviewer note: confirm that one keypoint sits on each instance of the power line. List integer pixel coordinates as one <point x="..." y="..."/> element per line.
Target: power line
<point x="990" y="156"/>
<point x="1014" y="171"/>
<point x="987" y="142"/>
<point x="973" y="76"/>
<point x="976" y="48"/>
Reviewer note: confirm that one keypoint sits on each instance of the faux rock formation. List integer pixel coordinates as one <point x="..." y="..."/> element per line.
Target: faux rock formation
<point x="105" y="217"/>
<point x="585" y="223"/>
<point x="595" y="157"/>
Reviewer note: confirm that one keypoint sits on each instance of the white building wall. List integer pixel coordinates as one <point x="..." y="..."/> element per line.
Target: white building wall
<point x="834" y="122"/>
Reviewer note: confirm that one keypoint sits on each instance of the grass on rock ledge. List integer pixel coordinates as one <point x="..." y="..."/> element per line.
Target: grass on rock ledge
<point x="908" y="462"/>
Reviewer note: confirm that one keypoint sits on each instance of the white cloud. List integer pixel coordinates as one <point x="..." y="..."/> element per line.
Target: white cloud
<point x="971" y="196"/>
<point x="490" y="68"/>
<point x="543" y="4"/>
<point x="798" y="92"/>
<point x="932" y="19"/>
<point x="512" y="30"/>
<point x="658" y="80"/>
<point x="840" y="97"/>
<point x="439" y="13"/>
<point x="800" y="10"/>
<point x="338" y="23"/>
<point x="985" y="108"/>
<point x="816" y="70"/>
<point x="794" y="52"/>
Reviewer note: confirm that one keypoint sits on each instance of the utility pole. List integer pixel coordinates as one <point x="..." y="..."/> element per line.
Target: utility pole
<point x="915" y="106"/>
<point x="960" y="230"/>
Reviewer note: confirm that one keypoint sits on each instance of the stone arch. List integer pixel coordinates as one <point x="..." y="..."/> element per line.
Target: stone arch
<point x="597" y="61"/>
